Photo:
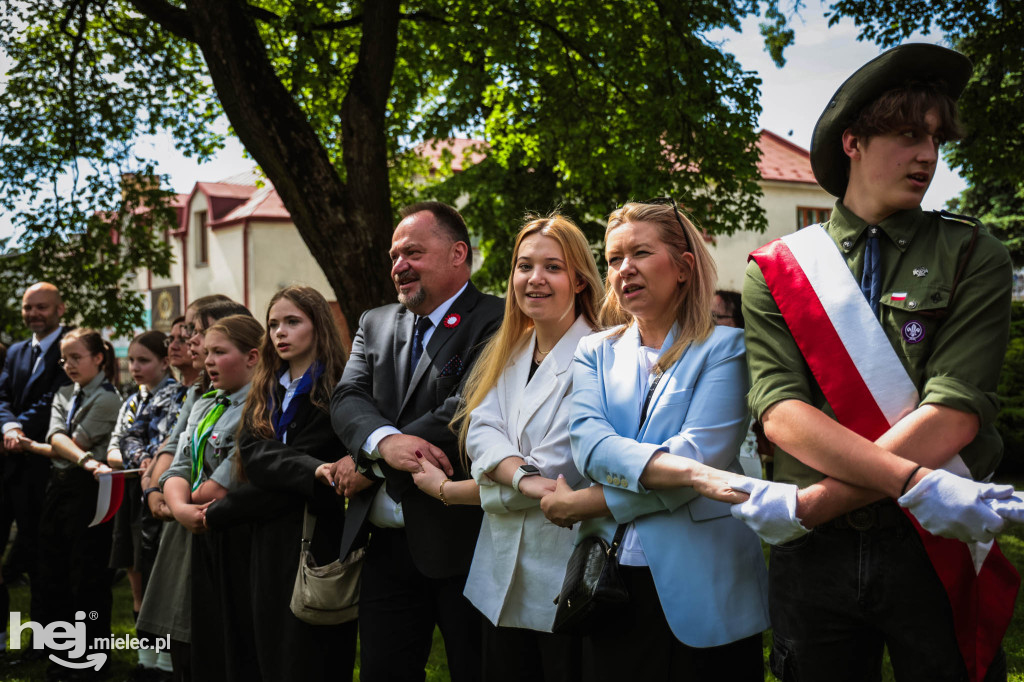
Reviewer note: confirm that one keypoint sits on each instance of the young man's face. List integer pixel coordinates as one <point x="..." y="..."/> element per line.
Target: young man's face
<point x="891" y="172"/>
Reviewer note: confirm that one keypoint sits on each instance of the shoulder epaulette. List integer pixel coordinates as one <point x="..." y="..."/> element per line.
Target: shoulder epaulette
<point x="956" y="217"/>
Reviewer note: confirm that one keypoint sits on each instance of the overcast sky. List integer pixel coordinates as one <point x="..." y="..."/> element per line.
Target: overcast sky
<point x="791" y="98"/>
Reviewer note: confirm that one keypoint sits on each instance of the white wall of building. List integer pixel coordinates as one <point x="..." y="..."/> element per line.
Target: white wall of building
<point x="780" y="202"/>
<point x="278" y="258"/>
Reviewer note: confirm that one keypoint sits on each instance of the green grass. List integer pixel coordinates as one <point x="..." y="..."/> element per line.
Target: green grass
<point x="1012" y="543"/>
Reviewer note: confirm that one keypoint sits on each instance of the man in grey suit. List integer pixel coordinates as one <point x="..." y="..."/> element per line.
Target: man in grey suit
<point x="391" y="408"/>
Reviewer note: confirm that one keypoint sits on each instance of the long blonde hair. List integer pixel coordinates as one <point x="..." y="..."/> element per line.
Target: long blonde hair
<point x="695" y="296"/>
<point x="516" y="326"/>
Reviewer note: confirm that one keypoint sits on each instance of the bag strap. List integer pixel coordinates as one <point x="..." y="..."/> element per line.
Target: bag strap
<point x="308" y="526"/>
<point x="613" y="549"/>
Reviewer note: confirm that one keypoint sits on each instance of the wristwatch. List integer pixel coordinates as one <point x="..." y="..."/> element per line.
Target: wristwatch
<point x="521" y="473"/>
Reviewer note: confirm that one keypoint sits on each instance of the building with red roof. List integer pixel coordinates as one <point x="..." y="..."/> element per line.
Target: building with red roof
<point x="235" y="237"/>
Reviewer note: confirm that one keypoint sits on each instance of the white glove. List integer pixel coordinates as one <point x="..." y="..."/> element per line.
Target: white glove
<point x="1010" y="508"/>
<point x="946" y="504"/>
<point x="770" y="511"/>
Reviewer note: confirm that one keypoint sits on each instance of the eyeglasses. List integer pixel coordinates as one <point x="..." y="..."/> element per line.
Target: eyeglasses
<point x="669" y="201"/>
<point x="171" y="340"/>
<point x="70" y="360"/>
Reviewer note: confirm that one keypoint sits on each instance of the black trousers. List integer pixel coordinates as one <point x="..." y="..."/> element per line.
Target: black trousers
<point x="515" y="654"/>
<point x="398" y="609"/>
<point x="73" y="558"/>
<point x="641" y="646"/>
<point x="223" y="643"/>
<point x="21" y="502"/>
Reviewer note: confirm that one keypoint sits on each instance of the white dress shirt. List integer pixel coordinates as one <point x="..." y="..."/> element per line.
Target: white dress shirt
<point x="385" y="512"/>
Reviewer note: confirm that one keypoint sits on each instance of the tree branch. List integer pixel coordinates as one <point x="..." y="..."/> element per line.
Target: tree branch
<point x="173" y="19"/>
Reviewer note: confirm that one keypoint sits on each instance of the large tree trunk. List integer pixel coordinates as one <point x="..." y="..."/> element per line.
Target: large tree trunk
<point x="346" y="225"/>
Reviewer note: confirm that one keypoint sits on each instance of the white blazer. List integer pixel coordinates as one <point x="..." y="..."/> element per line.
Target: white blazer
<point x="520" y="556"/>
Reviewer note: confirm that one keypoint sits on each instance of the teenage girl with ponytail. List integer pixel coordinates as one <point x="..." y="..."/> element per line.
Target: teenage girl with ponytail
<point x="74" y="573"/>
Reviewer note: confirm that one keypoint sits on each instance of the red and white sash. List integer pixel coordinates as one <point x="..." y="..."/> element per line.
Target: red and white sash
<point x="869" y="390"/>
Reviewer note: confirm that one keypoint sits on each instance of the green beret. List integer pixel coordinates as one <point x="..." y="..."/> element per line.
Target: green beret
<point x="901" y="65"/>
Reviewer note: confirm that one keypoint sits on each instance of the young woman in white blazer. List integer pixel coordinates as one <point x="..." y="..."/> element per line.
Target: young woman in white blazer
<point x="514" y="426"/>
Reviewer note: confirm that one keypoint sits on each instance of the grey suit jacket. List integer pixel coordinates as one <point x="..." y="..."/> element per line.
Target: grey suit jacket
<point x="374" y="391"/>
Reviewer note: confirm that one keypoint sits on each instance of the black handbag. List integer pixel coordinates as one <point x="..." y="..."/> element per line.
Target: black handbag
<point x="593" y="590"/>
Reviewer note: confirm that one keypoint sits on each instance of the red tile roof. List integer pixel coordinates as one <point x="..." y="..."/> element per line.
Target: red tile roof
<point x="782" y="160"/>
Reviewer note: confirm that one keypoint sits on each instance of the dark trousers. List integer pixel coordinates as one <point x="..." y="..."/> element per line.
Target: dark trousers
<point x="73" y="558"/>
<point x="223" y="643"/>
<point x="515" y="654"/>
<point x="24" y="489"/>
<point x="640" y="645"/>
<point x="398" y="609"/>
<point x="837" y="596"/>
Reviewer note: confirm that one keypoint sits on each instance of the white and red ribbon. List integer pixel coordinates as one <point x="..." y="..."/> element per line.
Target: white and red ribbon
<point x="869" y="390"/>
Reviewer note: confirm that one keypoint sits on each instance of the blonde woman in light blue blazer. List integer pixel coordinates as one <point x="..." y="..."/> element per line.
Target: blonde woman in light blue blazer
<point x="515" y="430"/>
<point x="658" y="414"/>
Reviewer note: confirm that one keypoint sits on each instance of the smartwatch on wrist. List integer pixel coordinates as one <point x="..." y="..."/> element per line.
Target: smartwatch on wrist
<point x="521" y="473"/>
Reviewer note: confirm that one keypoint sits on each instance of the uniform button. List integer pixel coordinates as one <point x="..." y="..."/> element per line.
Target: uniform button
<point x="935" y="298"/>
<point x="911" y="304"/>
<point x="902" y="242"/>
<point x="609" y="478"/>
<point x="847" y="244"/>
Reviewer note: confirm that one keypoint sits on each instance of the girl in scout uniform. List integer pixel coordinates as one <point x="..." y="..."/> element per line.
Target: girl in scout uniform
<point x="73" y="558"/>
<point x="149" y="367"/>
<point x="204" y="470"/>
<point x="286" y="435"/>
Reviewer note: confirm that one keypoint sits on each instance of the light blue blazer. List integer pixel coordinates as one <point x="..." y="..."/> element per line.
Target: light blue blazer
<point x="707" y="566"/>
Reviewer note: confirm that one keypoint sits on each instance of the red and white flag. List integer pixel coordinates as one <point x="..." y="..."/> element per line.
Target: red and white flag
<point x="110" y="495"/>
<point x="869" y="390"/>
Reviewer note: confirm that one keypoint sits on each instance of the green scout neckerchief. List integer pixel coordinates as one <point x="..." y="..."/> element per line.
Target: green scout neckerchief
<point x="203" y="432"/>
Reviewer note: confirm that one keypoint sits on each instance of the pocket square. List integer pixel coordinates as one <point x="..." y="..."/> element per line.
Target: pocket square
<point x="453" y="368"/>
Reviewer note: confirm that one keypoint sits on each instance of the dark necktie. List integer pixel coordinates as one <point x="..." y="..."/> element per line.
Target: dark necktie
<point x="37" y="350"/>
<point x="871" y="279"/>
<point x="72" y="409"/>
<point x="422" y="325"/>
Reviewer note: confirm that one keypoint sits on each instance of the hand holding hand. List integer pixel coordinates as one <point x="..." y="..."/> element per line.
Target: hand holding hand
<point x="347" y="479"/>
<point x="429" y="479"/>
<point x="537" y="486"/>
<point x="954" y="507"/>
<point x="770" y="511"/>
<point x="193" y="517"/>
<point x="13" y="440"/>
<point x="557" y="506"/>
<point x="718" y="485"/>
<point x="399" y="451"/>
<point x="96" y="468"/>
<point x="158" y="507"/>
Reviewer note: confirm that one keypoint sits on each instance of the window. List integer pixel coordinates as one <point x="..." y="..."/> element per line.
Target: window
<point x="202" y="236"/>
<point x="811" y="216"/>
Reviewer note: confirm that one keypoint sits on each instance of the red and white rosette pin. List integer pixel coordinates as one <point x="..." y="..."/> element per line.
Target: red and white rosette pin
<point x="451" y="320"/>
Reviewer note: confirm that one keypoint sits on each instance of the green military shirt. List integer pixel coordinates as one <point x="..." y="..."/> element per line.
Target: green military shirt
<point x="955" y="362"/>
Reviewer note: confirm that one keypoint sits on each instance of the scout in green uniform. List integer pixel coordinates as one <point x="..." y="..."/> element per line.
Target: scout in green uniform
<point x="860" y="579"/>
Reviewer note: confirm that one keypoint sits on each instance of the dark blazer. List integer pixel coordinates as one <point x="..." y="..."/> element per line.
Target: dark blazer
<point x="374" y="392"/>
<point x="26" y="397"/>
